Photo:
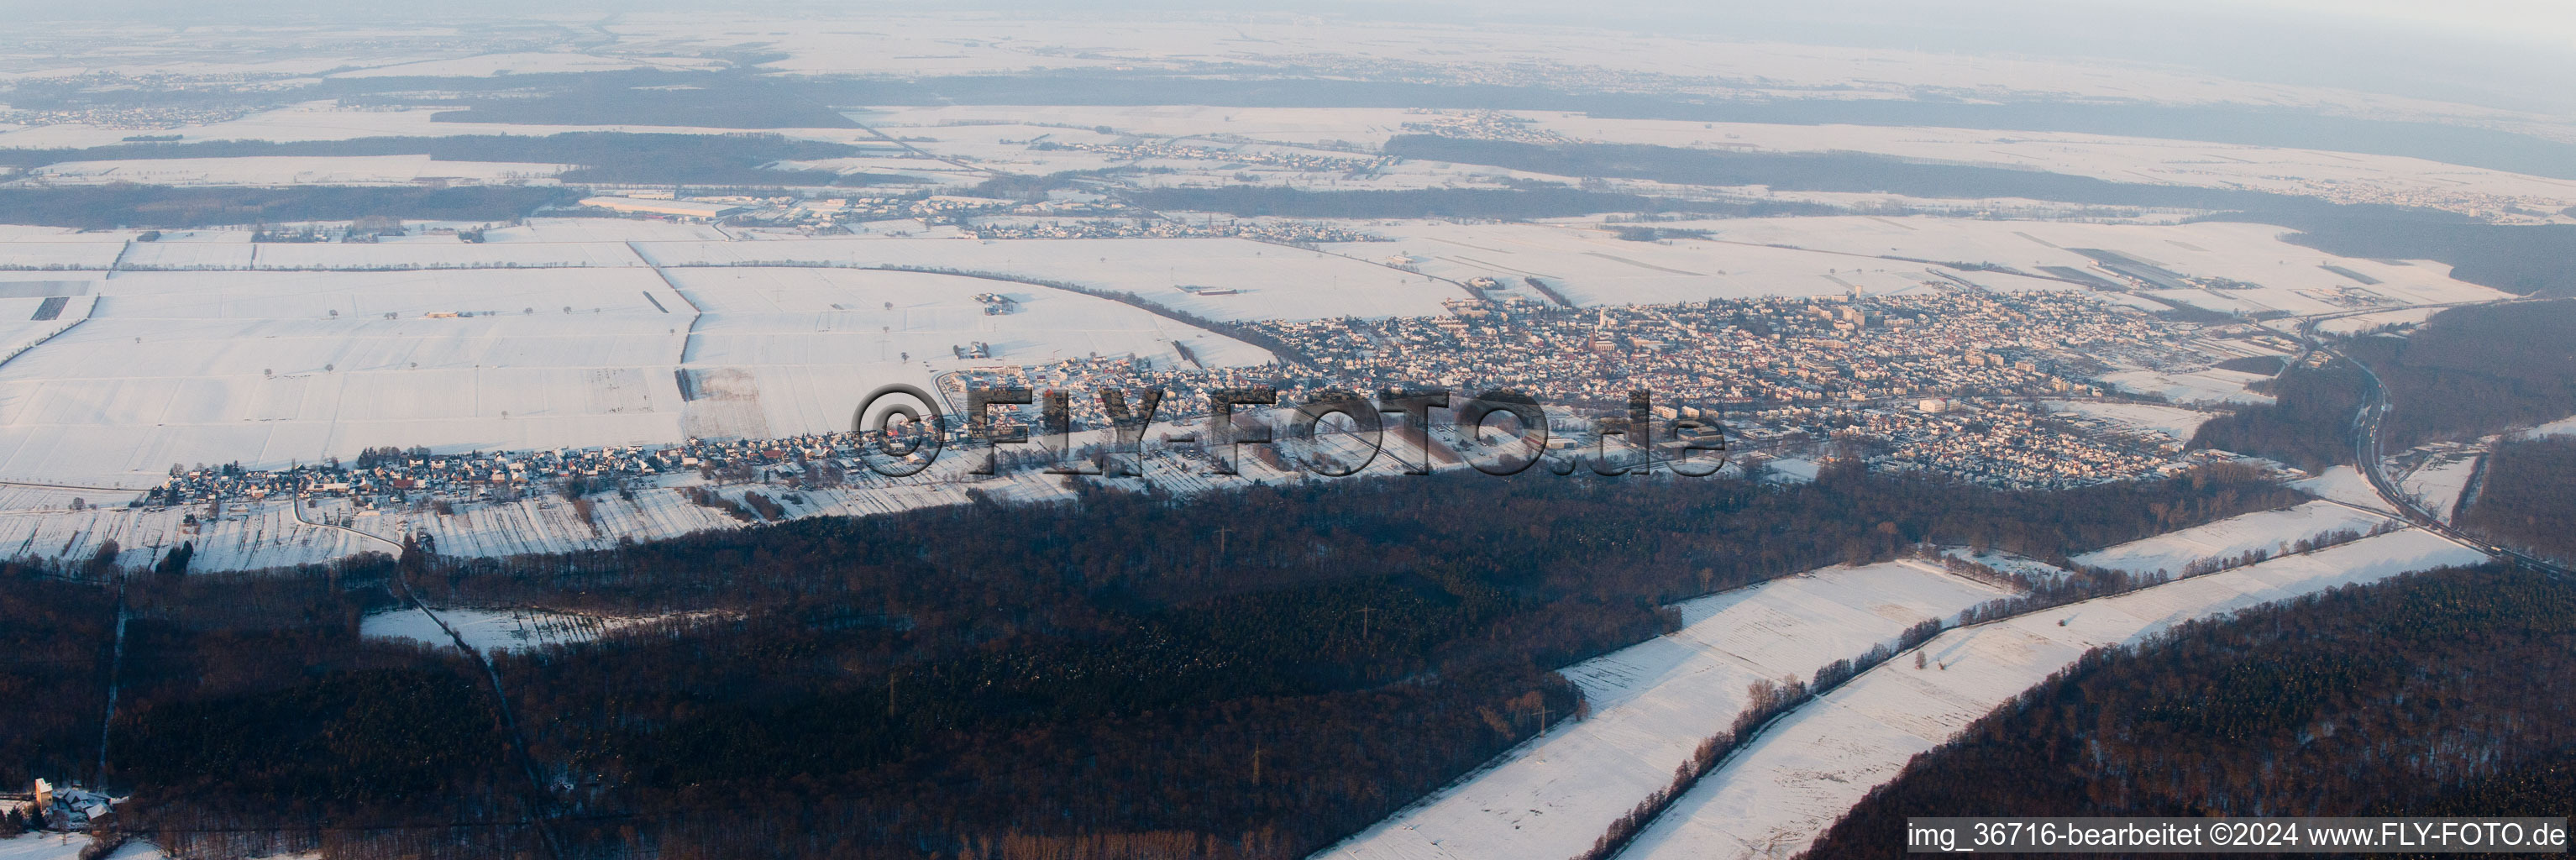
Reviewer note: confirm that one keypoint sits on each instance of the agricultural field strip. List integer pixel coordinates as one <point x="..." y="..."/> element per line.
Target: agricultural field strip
<point x="58" y="846"/>
<point x="2175" y="423"/>
<point x="2271" y="531"/>
<point x="1794" y="780"/>
<point x="285" y="347"/>
<point x="2441" y="483"/>
<point x="1653" y="703"/>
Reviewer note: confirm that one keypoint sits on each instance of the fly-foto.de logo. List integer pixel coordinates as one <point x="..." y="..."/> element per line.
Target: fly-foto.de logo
<point x="904" y="431"/>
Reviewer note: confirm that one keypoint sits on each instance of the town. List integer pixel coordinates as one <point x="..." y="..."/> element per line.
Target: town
<point x="1940" y="381"/>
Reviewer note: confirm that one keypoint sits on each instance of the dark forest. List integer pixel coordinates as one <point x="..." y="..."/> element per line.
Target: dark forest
<point x="2438" y="693"/>
<point x="1251" y="674"/>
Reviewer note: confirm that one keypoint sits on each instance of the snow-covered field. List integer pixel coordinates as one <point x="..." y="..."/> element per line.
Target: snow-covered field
<point x="527" y="62"/>
<point x="2440" y="483"/>
<point x="2212" y="385"/>
<point x="1653" y="703"/>
<point x="1358" y="126"/>
<point x="491" y="629"/>
<point x="2106" y="157"/>
<point x="2344" y="484"/>
<point x="603" y="231"/>
<point x="51" y="253"/>
<point x="1590" y="265"/>
<point x="440" y="255"/>
<point x="2290" y="277"/>
<point x="327" y="120"/>
<point x="1793" y="469"/>
<point x="541" y="345"/>
<point x="60" y="846"/>
<point x="2265" y="530"/>
<point x="809" y="343"/>
<point x="290" y="170"/>
<point x="39" y="522"/>
<point x="1271" y="281"/>
<point x="2364" y="322"/>
<point x="2174" y="423"/>
<point x="2037" y="571"/>
<point x="273" y="369"/>
<point x="1797" y="778"/>
<point x="2560" y="427"/>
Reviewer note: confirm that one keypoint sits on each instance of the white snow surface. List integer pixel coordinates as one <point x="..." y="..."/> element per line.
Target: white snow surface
<point x="1794" y="780"/>
<point x="2293" y="281"/>
<point x="2362" y="322"/>
<point x="1271" y="281"/>
<point x="491" y="629"/>
<point x="2173" y="422"/>
<point x="2265" y="530"/>
<point x="288" y="170"/>
<point x="2034" y="569"/>
<point x="1653" y="703"/>
<point x="2344" y="484"/>
<point x="2212" y="385"/>
<point x="2439" y="484"/>
<point x="1590" y="265"/>
<point x="2560" y="427"/>
<point x="60" y="846"/>
<point x="543" y="345"/>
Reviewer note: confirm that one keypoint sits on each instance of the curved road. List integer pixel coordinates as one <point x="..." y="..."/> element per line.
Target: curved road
<point x="2368" y="426"/>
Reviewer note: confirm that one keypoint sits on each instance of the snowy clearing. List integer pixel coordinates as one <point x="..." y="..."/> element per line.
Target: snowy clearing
<point x="493" y="629"/>
<point x="1590" y="265"/>
<point x="1269" y="281"/>
<point x="2294" y="280"/>
<point x="1797" y="778"/>
<point x="1653" y="703"/>
<point x="2560" y="427"/>
<point x="2365" y="322"/>
<point x="2035" y="570"/>
<point x="290" y="170"/>
<point x="59" y="846"/>
<point x="2273" y="531"/>
<point x="2437" y="486"/>
<point x="2212" y="386"/>
<point x="522" y="63"/>
<point x="2173" y="422"/>
<point x="2344" y="484"/>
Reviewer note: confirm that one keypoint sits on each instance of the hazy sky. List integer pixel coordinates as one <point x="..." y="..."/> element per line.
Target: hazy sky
<point x="2547" y="22"/>
<point x="2505" y="53"/>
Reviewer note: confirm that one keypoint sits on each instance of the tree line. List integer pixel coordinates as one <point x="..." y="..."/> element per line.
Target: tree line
<point x="2434" y="693"/>
<point x="2526" y="497"/>
<point x="102" y="207"/>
